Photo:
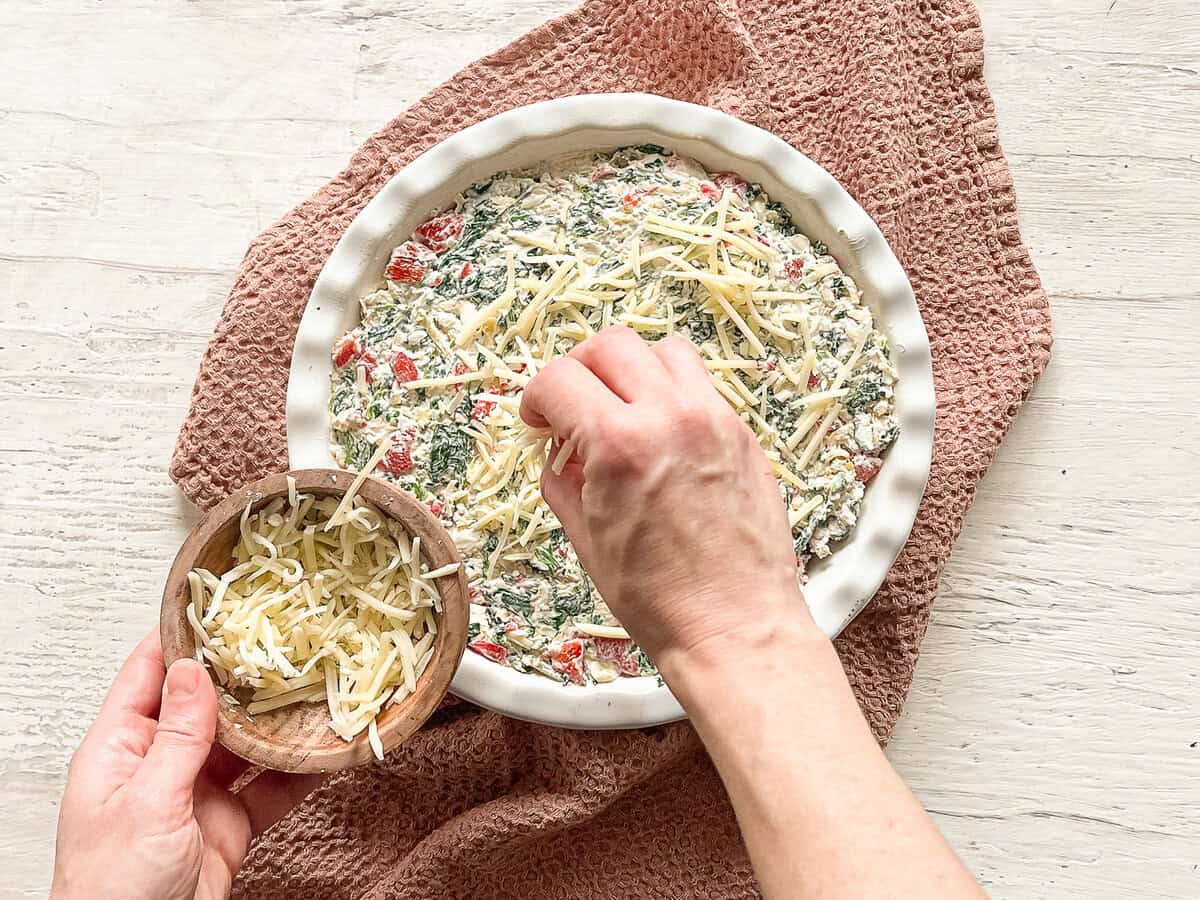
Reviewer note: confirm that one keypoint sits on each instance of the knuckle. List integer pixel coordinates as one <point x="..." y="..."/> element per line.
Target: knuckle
<point x="621" y="450"/>
<point x="677" y="342"/>
<point x="553" y="370"/>
<point x="701" y="422"/>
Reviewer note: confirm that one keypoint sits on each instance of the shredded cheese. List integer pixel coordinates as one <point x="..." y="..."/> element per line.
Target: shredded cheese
<point x="327" y="601"/>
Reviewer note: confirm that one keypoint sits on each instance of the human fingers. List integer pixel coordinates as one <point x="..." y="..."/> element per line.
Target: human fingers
<point x="563" y="492"/>
<point x="272" y="795"/>
<point x="680" y="358"/>
<point x="114" y="745"/>
<point x="624" y="362"/>
<point x="564" y="396"/>
<point x="137" y="689"/>
<point x="183" y="739"/>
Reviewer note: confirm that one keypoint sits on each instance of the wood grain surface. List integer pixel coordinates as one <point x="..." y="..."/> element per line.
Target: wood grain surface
<point x="1054" y="728"/>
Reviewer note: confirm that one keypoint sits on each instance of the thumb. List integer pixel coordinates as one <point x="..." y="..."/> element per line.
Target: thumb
<point x="187" y="722"/>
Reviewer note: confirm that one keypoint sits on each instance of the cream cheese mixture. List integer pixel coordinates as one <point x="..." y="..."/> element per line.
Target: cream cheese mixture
<point x="528" y="264"/>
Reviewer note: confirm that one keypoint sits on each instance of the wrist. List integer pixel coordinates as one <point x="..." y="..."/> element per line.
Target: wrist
<point x="759" y="653"/>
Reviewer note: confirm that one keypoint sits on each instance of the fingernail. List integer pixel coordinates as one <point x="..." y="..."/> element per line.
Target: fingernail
<point x="183" y="678"/>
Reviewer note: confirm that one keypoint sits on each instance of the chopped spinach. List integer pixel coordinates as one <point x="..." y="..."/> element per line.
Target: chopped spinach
<point x="544" y="559"/>
<point x="800" y="545"/>
<point x="653" y="148"/>
<point x="489" y="547"/>
<point x="781" y="414"/>
<point x="345" y="392"/>
<point x="473" y="630"/>
<point x="837" y="285"/>
<point x="546" y="556"/>
<point x="864" y="393"/>
<point x="829" y="341"/>
<point x="702" y="327"/>
<point x="523" y="218"/>
<point x="358" y="450"/>
<point x="478" y="188"/>
<point x="513" y="601"/>
<point x="819" y="248"/>
<point x="575" y="604"/>
<point x="381" y="326"/>
<point x="449" y="449"/>
<point x="481" y="222"/>
<point x="784" y="222"/>
<point x="380" y="402"/>
<point x="468" y="402"/>
<point x="696" y="210"/>
<point x="583" y="219"/>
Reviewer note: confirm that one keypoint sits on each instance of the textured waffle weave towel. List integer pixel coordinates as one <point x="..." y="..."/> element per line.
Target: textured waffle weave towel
<point x="889" y="96"/>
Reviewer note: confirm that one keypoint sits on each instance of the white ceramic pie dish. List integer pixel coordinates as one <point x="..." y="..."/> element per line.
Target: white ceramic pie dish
<point x="840" y="586"/>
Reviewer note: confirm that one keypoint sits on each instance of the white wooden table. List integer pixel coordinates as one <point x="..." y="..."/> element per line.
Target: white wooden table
<point x="1054" y="729"/>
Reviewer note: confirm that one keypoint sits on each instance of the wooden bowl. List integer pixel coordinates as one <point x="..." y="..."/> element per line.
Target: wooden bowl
<point x="298" y="738"/>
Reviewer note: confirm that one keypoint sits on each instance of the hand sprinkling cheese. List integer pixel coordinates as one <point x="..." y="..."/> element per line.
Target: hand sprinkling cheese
<point x="326" y="602"/>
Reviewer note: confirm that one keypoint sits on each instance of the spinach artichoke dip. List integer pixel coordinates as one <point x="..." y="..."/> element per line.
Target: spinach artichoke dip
<point x="530" y="263"/>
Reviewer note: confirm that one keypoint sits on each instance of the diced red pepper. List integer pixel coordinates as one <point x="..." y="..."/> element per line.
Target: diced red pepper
<point x="403" y="367"/>
<point x="435" y="507"/>
<point x="573" y="669"/>
<point x="440" y="232"/>
<point x="710" y="191"/>
<point x="489" y="650"/>
<point x="767" y="365"/>
<point x="483" y="409"/>
<point x="519" y="367"/>
<point x="568" y="660"/>
<point x="408" y="264"/>
<point x="866" y="470"/>
<point x="794" y="268"/>
<point x="398" y="461"/>
<point x="731" y="180"/>
<point x="634" y="197"/>
<point x="347" y="348"/>
<point x="813" y="380"/>
<point x="571" y="648"/>
<point x="465" y="271"/>
<point x="460" y="368"/>
<point x="472" y="593"/>
<point x="617" y="650"/>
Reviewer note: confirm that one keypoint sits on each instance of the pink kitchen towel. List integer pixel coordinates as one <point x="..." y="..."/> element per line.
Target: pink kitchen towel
<point x="889" y="96"/>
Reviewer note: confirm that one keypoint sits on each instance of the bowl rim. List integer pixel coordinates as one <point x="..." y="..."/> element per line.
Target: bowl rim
<point x="238" y="732"/>
<point x="840" y="587"/>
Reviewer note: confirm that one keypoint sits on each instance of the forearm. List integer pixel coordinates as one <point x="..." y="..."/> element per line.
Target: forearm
<point x="822" y="812"/>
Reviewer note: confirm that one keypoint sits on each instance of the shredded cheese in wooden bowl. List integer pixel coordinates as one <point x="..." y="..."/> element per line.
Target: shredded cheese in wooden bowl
<point x="306" y="595"/>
